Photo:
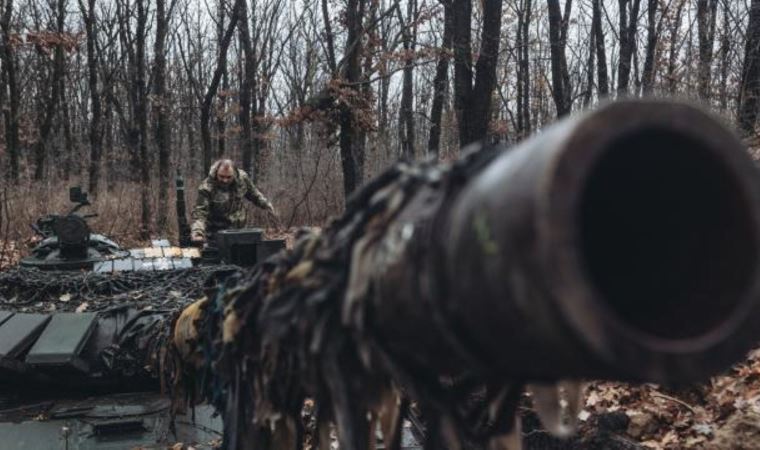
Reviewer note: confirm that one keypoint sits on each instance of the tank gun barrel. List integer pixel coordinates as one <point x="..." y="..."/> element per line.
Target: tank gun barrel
<point x="621" y="243"/>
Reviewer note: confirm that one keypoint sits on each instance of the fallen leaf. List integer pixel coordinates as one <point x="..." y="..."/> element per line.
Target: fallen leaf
<point x="703" y="428"/>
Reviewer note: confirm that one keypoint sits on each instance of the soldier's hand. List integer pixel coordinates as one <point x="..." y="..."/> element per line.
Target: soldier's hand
<point x="197" y="238"/>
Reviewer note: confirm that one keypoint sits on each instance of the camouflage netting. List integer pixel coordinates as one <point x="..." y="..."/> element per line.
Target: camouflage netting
<point x="299" y="327"/>
<point x="135" y="316"/>
<point x="24" y="289"/>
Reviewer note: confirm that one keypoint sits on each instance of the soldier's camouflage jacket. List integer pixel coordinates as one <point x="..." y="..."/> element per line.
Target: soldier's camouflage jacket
<point x="219" y="207"/>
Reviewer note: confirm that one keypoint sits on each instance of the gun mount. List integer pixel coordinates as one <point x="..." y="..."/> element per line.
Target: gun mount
<point x="621" y="243"/>
<point x="67" y="241"/>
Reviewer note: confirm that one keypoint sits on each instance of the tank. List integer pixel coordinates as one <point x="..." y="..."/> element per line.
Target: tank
<point x="81" y="328"/>
<point x="78" y="316"/>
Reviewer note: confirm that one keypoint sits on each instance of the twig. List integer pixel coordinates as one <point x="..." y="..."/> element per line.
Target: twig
<point x="673" y="399"/>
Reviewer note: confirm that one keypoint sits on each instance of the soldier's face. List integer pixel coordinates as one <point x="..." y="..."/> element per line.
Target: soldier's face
<point x="225" y="175"/>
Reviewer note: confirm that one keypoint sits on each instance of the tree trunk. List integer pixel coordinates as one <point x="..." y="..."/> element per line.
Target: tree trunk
<point x="590" y="61"/>
<point x="95" y="132"/>
<point x="214" y="85"/>
<point x="406" y="112"/>
<point x="473" y="102"/>
<point x="161" y="103"/>
<point x="523" y="68"/>
<point x="221" y="104"/>
<point x="627" y="42"/>
<point x="561" y="90"/>
<point x="259" y="96"/>
<point x="329" y="38"/>
<point x="12" y="112"/>
<point x="50" y="107"/>
<point x="107" y="150"/>
<point x="603" y="82"/>
<point x="725" y="49"/>
<point x="462" y="43"/>
<point x="652" y="37"/>
<point x="707" y="10"/>
<point x="440" y="82"/>
<point x="141" y="117"/>
<point x="246" y="78"/>
<point x="71" y="157"/>
<point x="351" y="143"/>
<point x="675" y="27"/>
<point x="749" y="90"/>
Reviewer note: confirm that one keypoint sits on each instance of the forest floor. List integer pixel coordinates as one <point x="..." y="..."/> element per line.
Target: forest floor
<point x="723" y="413"/>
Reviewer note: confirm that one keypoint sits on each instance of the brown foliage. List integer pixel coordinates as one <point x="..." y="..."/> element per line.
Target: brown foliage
<point x="46" y="41"/>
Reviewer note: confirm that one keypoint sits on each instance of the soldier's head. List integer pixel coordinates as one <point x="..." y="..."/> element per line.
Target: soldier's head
<point x="223" y="172"/>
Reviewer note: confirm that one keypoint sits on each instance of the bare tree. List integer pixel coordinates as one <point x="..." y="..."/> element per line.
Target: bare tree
<point x="652" y="37"/>
<point x="211" y="91"/>
<point x="351" y="139"/>
<point x="707" y="12"/>
<point x="674" y="33"/>
<point x="95" y="130"/>
<point x="50" y="103"/>
<point x="161" y="104"/>
<point x="473" y="100"/>
<point x="601" y="50"/>
<point x="219" y="108"/>
<point x="261" y="59"/>
<point x="558" y="23"/>
<point x="590" y="67"/>
<point x="628" y="26"/>
<point x="406" y="114"/>
<point x="12" y="112"/>
<point x="749" y="91"/>
<point x="725" y="49"/>
<point x="247" y="78"/>
<point x="524" y="14"/>
<point x="441" y="80"/>
<point x="141" y="116"/>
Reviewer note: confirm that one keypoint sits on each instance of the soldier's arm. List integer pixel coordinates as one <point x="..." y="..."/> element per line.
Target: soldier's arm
<point x="253" y="194"/>
<point x="201" y="212"/>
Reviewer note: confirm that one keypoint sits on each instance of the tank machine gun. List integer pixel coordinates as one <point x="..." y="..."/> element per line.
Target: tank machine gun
<point x="621" y="243"/>
<point x="67" y="241"/>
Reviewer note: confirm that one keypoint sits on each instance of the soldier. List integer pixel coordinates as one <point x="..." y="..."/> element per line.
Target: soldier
<point x="220" y="200"/>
